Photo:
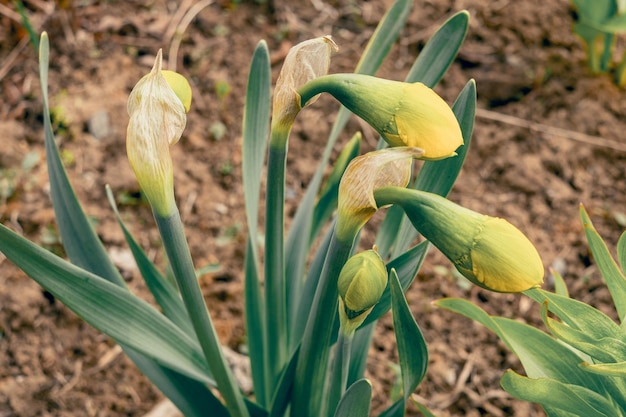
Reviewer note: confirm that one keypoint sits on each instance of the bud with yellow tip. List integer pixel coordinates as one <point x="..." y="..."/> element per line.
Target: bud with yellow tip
<point x="404" y="114"/>
<point x="489" y="251"/>
<point x="157" y="107"/>
<point x="361" y="283"/>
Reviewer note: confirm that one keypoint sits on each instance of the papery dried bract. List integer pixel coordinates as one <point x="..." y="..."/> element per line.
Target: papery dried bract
<point x="304" y="62"/>
<point x="364" y="174"/>
<point x="157" y="120"/>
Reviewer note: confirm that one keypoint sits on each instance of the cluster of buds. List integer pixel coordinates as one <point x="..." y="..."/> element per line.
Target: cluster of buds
<point x="490" y="252"/>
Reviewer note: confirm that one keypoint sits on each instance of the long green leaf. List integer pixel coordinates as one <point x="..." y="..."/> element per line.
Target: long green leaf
<point x="559" y="284"/>
<point x="422" y="409"/>
<point x="79" y="238"/>
<point x="255" y="133"/>
<point x="540" y="354"/>
<point x="109" y="308"/>
<point x="384" y="37"/>
<point x="396" y="409"/>
<point x="601" y="348"/>
<point x="574" y="399"/>
<point x="440" y="51"/>
<point x="85" y="249"/>
<point x="613" y="276"/>
<point x="578" y="315"/>
<point x="356" y="401"/>
<point x="191" y="396"/>
<point x="621" y="251"/>
<point x="617" y="369"/>
<point x="281" y="397"/>
<point x="310" y="285"/>
<point x="255" y="138"/>
<point x="412" y="349"/>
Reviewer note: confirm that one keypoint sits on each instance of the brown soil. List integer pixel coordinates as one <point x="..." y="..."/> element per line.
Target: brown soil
<point x="531" y="76"/>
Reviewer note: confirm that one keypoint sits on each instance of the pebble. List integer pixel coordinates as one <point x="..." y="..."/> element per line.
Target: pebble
<point x="99" y="124"/>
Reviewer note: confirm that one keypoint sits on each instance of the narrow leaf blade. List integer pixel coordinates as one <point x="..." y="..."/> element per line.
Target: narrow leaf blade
<point x="440" y="51"/>
<point x="412" y="349"/>
<point x="79" y="239"/>
<point x="613" y="276"/>
<point x="255" y="141"/>
<point x="574" y="399"/>
<point x="107" y="307"/>
<point x="356" y="401"/>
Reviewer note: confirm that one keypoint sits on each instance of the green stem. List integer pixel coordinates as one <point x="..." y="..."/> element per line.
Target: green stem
<point x="309" y="387"/>
<point x="339" y="371"/>
<point x="316" y="86"/>
<point x="275" y="288"/>
<point x="172" y="233"/>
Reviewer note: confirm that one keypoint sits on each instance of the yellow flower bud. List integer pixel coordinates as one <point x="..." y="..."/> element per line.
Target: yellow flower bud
<point x="364" y="174"/>
<point x="304" y="62"/>
<point x="489" y="251"/>
<point x="361" y="283"/>
<point x="404" y="114"/>
<point x="157" y="120"/>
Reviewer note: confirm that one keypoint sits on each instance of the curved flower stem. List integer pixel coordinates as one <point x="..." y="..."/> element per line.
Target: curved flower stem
<point x="275" y="287"/>
<point x="339" y="371"/>
<point x="177" y="249"/>
<point x="309" y="386"/>
<point x="316" y="86"/>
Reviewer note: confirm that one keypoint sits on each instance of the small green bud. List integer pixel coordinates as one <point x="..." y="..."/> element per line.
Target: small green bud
<point x="157" y="120"/>
<point x="361" y="283"/>
<point x="489" y="251"/>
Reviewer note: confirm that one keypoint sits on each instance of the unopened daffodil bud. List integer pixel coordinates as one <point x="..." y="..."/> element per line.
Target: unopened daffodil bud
<point x="157" y="107"/>
<point x="361" y="283"/>
<point x="404" y="114"/>
<point x="304" y="62"/>
<point x="365" y="173"/>
<point x="489" y="251"/>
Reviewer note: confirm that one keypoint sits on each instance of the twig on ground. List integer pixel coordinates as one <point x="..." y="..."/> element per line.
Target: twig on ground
<point x="551" y="130"/>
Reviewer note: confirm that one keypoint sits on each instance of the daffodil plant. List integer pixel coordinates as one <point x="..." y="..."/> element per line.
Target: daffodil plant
<point x="577" y="368"/>
<point x="313" y="294"/>
<point x="598" y="24"/>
